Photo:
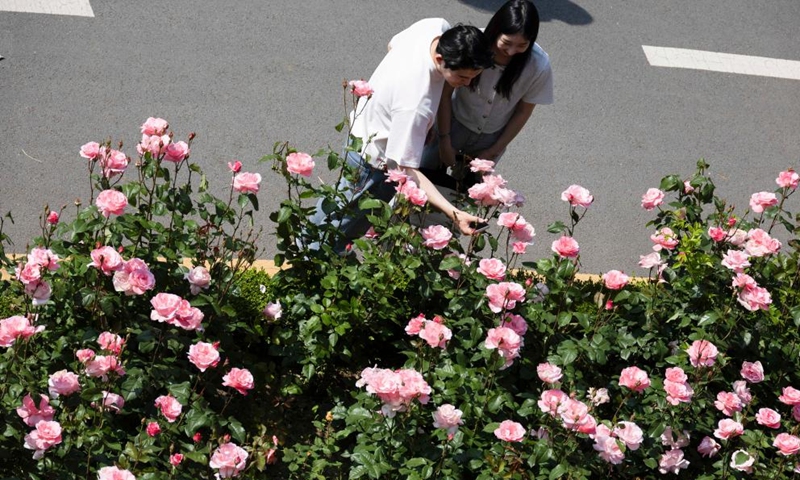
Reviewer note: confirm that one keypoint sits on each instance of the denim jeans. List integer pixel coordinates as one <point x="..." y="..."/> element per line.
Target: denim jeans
<point x="348" y="218"/>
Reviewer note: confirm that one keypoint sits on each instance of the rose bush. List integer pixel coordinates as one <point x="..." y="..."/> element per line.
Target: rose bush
<point x="411" y="352"/>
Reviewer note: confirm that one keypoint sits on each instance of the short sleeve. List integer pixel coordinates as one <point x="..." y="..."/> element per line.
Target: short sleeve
<point x="540" y="91"/>
<point x="407" y="137"/>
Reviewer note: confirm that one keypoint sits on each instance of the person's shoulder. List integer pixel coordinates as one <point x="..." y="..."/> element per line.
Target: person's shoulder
<point x="433" y="23"/>
<point x="538" y="58"/>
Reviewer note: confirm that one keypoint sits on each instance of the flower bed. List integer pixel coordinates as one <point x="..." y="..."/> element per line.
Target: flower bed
<point x="415" y="355"/>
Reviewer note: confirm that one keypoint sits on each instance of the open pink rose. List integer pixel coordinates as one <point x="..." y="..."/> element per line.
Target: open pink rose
<point x="754" y="298"/>
<point x="634" y="378"/>
<point x="436" y="334"/>
<point x="101" y="365"/>
<point x="728" y="428"/>
<point x="113" y="162"/>
<point x="492" y="269"/>
<point x="112" y="402"/>
<point x="239" y="378"/>
<point x="759" y="243"/>
<point x="107" y="259"/>
<point x="575" y="416"/>
<point x="84" y="354"/>
<point x="165" y="307"/>
<point x="577" y="196"/>
<point x="790" y="396"/>
<point x="566" y="247"/>
<point x="708" y="447"/>
<point x="768" y="417"/>
<point x="504" y="296"/>
<point x="548" y="372"/>
<point x="16" y="328"/>
<point x="736" y="260"/>
<point x="247" y="182"/>
<point x="134" y="278"/>
<point x="761" y="200"/>
<point x="728" y="403"/>
<point x="664" y="238"/>
<point x="786" y="444"/>
<point x="652" y="198"/>
<point x="300" y="164"/>
<point x="672" y="461"/>
<point x="169" y="406"/>
<point x="273" y="310"/>
<point x="154" y="126"/>
<point x="608" y="449"/>
<point x="203" y="355"/>
<point x="717" y="234"/>
<point x="413" y="193"/>
<point x="90" y="150"/>
<point x="447" y="417"/>
<point x="63" y="383"/>
<point x="479" y="165"/>
<point x="360" y="88"/>
<point x="111" y="202"/>
<point x="630" y="434"/>
<point x="32" y="414"/>
<point x="702" y="353"/>
<point x="153" y="144"/>
<point x="615" y="280"/>
<point x="111" y="342"/>
<point x="153" y="429"/>
<point x="114" y="473"/>
<point x="507" y="343"/>
<point x="510" y="431"/>
<point x="199" y="279"/>
<point x="551" y="401"/>
<point x="436" y="237"/>
<point x="515" y="323"/>
<point x="175" y="459"/>
<point x="753" y="372"/>
<point x="229" y="459"/>
<point x="46" y="435"/>
<point x="176" y="152"/>
<point x="788" y="179"/>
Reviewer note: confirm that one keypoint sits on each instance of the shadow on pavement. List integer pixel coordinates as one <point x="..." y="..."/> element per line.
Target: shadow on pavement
<point x="549" y="10"/>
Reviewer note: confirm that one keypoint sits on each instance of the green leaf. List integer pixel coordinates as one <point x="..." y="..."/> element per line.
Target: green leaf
<point x="237" y="430"/>
<point x="180" y="391"/>
<point x="195" y="420"/>
<point x="558" y="471"/>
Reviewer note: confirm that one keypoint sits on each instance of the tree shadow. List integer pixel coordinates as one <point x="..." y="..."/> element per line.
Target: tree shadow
<point x="549" y="10"/>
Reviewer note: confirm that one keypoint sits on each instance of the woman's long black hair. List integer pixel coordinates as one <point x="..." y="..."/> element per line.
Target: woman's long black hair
<point x="515" y="17"/>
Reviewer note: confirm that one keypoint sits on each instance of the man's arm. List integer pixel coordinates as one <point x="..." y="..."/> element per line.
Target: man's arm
<point x="461" y="218"/>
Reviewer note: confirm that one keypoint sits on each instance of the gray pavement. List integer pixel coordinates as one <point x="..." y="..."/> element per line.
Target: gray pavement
<point x="246" y="74"/>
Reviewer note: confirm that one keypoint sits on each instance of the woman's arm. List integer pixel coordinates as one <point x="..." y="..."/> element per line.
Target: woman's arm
<point x="518" y="120"/>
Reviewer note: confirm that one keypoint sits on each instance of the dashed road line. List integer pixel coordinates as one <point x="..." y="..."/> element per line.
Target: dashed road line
<point x="79" y="8"/>
<point x="722" y="62"/>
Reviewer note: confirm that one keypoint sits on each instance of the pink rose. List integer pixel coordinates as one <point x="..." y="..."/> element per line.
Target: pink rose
<point x="728" y="403"/>
<point x="678" y="392"/>
<point x="113" y="162"/>
<point x="247" y="182"/>
<point x="524" y="233"/>
<point x="761" y="200"/>
<point x="653" y="198"/>
<point x="153" y="429"/>
<point x="702" y="353"/>
<point x="84" y="355"/>
<point x="768" y="417"/>
<point x="752" y="372"/>
<point x="786" y="444"/>
<point x="134" y="278"/>
<point x="203" y="355"/>
<point x="111" y="342"/>
<point x="360" y="88"/>
<point x="790" y="396"/>
<point x="154" y="126"/>
<point x="708" y="447"/>
<point x="15" y="328"/>
<point x="300" y="163"/>
<point x="664" y="238"/>
<point x="235" y="166"/>
<point x="31" y="414"/>
<point x="548" y="372"/>
<point x="114" y="473"/>
<point x="176" y="152"/>
<point x="717" y="234"/>
<point x="63" y="383"/>
<point x="577" y="196"/>
<point x="478" y="165"/>
<point x="519" y="247"/>
<point x="273" y="310"/>
<point x="515" y="323"/>
<point x="566" y="247"/>
<point x="504" y="296"/>
<point x="510" y="431"/>
<point x="436" y="334"/>
<point x="165" y="307"/>
<point x="90" y="150"/>
<point x="112" y="402"/>
<point x="188" y="317"/>
<point x="672" y="461"/>
<point x="608" y="449"/>
<point x="169" y="407"/>
<point x="741" y="391"/>
<point x="615" y="280"/>
<point x="788" y="179"/>
<point x="199" y="279"/>
<point x="107" y="259"/>
<point x="742" y="461"/>
<point x="175" y="459"/>
<point x="396" y="175"/>
<point x="754" y="298"/>
<point x="46" y="435"/>
<point x="436" y="237"/>
<point x="736" y="260"/>
<point x="671" y="440"/>
<point x="447" y="417"/>
<point x="230" y="459"/>
<point x="102" y="365"/>
<point x="511" y="220"/>
<point x="412" y="193"/>
<point x="760" y="244"/>
<point x="111" y="202"/>
<point x="153" y="144"/>
<point x="551" y="401"/>
<point x="634" y="378"/>
<point x="575" y="415"/>
<point x="415" y="325"/>
<point x="492" y="269"/>
<point x="598" y="396"/>
<point x="506" y="341"/>
<point x="728" y="428"/>
<point x="239" y="378"/>
<point x="52" y="218"/>
<point x="687" y="187"/>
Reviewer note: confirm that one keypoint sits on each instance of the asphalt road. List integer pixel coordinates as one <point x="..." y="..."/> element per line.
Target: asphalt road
<point x="248" y="73"/>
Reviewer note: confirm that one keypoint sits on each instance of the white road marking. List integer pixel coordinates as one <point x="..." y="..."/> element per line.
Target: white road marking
<point x="722" y="62"/>
<point x="79" y="8"/>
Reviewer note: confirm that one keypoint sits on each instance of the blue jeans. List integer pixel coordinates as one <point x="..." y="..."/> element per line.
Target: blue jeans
<point x="348" y="218"/>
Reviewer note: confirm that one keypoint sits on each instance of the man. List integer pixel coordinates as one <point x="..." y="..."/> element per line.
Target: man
<point x="394" y="122"/>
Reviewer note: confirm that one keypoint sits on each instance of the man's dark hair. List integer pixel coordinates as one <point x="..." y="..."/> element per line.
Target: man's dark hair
<point x="465" y="47"/>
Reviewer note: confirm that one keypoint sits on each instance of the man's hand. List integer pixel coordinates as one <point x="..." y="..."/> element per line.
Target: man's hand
<point x="466" y="222"/>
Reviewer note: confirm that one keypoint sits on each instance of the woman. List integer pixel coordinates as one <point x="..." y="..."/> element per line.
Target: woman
<point x="480" y="121"/>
